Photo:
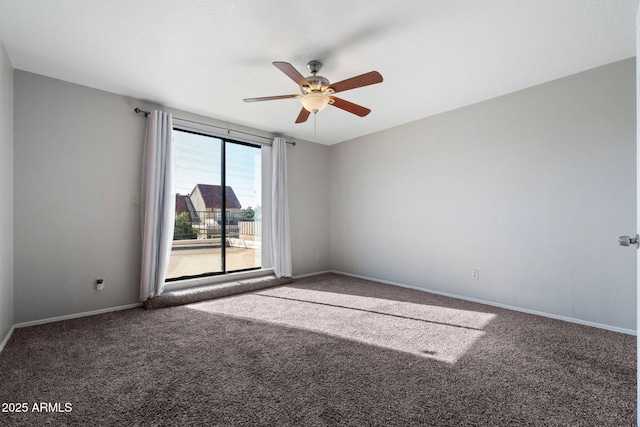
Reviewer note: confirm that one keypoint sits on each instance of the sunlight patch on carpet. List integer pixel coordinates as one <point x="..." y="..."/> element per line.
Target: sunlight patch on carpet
<point x="428" y="331"/>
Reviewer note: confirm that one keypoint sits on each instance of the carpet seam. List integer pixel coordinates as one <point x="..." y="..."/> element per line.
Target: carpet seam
<point x="371" y="311"/>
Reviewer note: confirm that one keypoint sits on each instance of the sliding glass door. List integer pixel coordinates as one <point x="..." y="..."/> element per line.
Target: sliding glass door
<point x="218" y="206"/>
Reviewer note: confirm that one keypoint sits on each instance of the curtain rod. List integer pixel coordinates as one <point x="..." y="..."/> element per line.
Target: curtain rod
<point x="146" y="114"/>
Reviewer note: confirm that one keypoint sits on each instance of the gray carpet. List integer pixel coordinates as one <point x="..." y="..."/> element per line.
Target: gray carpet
<point x="322" y="351"/>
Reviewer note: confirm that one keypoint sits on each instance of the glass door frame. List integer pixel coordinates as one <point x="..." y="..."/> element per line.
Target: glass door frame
<point x="223" y="206"/>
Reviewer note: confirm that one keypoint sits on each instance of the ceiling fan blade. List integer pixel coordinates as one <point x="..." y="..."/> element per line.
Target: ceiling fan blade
<point x="303" y="116"/>
<point x="292" y="73"/>
<point x="366" y="79"/>
<point x="270" y="98"/>
<point x="356" y="109"/>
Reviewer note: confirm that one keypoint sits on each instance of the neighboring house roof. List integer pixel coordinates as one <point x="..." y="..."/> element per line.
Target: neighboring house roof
<point x="183" y="204"/>
<point x="211" y="196"/>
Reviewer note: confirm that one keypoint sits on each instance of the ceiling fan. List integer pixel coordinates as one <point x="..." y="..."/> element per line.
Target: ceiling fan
<point x="317" y="92"/>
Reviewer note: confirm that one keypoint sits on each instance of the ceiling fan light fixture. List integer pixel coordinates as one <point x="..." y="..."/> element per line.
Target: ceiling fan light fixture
<point x="314" y="102"/>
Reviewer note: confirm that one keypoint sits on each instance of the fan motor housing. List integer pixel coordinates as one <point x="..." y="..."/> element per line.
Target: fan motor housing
<point x="318" y="84"/>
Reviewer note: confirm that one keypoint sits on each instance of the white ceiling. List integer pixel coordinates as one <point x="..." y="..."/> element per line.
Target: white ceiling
<point x="205" y="56"/>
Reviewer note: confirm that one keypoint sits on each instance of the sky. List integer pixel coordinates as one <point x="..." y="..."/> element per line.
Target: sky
<point x="198" y="161"/>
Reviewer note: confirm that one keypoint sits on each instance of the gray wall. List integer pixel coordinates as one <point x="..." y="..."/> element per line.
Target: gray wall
<point x="77" y="161"/>
<point x="532" y="189"/>
<point x="308" y="185"/>
<point x="6" y="194"/>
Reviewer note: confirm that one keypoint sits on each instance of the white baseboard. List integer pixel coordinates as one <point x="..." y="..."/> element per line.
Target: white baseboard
<point x="495" y="304"/>
<point x="302" y="276"/>
<point x="75" y="315"/>
<point x="6" y="339"/>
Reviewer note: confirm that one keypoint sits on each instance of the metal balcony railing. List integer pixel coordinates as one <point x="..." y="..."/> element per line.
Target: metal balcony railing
<point x="208" y="225"/>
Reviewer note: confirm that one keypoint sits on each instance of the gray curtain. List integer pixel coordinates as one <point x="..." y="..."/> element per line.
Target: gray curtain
<point x="157" y="204"/>
<point x="280" y="238"/>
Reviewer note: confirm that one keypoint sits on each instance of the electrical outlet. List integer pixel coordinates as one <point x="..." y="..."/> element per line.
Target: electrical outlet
<point x="100" y="284"/>
<point x="317" y="257"/>
<point x="475" y="274"/>
<point x="135" y="199"/>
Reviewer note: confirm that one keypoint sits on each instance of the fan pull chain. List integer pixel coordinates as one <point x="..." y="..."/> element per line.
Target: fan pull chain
<point x="315" y="133"/>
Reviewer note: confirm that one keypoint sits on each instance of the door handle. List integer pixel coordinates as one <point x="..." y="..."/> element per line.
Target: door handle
<point x="626" y="241"/>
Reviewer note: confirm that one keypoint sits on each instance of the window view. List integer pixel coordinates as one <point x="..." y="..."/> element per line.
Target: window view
<point x="213" y="176"/>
